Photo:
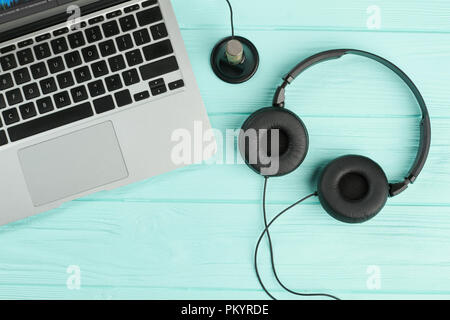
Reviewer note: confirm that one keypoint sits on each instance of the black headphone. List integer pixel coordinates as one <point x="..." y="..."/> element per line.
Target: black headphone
<point x="352" y="188"/>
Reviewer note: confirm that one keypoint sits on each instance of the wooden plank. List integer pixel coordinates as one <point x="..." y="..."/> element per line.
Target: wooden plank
<point x="352" y="86"/>
<point x="399" y="16"/>
<point x="170" y="250"/>
<point x="392" y="142"/>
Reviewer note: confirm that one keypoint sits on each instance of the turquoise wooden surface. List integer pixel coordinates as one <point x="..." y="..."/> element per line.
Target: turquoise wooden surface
<point x="191" y="233"/>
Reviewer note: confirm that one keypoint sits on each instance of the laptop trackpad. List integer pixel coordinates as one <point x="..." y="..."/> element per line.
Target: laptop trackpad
<point x="72" y="164"/>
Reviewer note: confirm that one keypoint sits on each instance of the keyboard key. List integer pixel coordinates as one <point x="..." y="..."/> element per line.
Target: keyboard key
<point x="124" y="42"/>
<point x="131" y="8"/>
<point x="130" y="77"/>
<point x="25" y="43"/>
<point x="22" y="76"/>
<point x="176" y="84"/>
<point x="51" y="121"/>
<point x="159" y="90"/>
<point x="62" y="99"/>
<point x="104" y="104"/>
<point x="28" y="111"/>
<point x="110" y="28"/>
<point x="82" y="74"/>
<point x="42" y="51"/>
<point x="123" y="98"/>
<point x="157" y="83"/>
<point x="96" y="20"/>
<point x="79" y="94"/>
<point x="65" y="80"/>
<point x="44" y="105"/>
<point x="141" y="37"/>
<point x="73" y="59"/>
<point x="25" y="57"/>
<point x="90" y="54"/>
<point x="60" y="31"/>
<point x="39" y="70"/>
<point x="114" y="14"/>
<point x="2" y="102"/>
<point x="141" y="96"/>
<point x="10" y="116"/>
<point x="93" y="34"/>
<point x="158" y="68"/>
<point x="127" y="23"/>
<point x="96" y="88"/>
<point x="3" y="138"/>
<point x="76" y="40"/>
<point x="158" y="50"/>
<point x="159" y="31"/>
<point x="7" y="49"/>
<point x="59" y="45"/>
<point x="55" y="65"/>
<point x="8" y="62"/>
<point x="134" y="57"/>
<point x="6" y="81"/>
<point x="107" y="48"/>
<point x="117" y="63"/>
<point x="148" y="3"/>
<point x="14" y="97"/>
<point x="149" y="16"/>
<point x="79" y="26"/>
<point x="31" y="91"/>
<point x="113" y="83"/>
<point x="43" y="37"/>
<point x="48" y="85"/>
<point x="99" y="69"/>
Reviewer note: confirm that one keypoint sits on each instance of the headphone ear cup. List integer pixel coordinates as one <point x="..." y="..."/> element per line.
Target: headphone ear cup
<point x="353" y="189"/>
<point x="292" y="147"/>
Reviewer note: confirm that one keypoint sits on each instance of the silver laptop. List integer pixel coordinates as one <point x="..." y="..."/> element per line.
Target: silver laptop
<point x="90" y="95"/>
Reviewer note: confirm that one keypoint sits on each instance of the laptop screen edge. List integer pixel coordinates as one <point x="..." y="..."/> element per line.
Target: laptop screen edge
<point x="55" y="19"/>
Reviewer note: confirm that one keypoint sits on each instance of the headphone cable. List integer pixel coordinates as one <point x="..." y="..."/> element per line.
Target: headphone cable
<point x="232" y="19"/>
<point x="266" y="230"/>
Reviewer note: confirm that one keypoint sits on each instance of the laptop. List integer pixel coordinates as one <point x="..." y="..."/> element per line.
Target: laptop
<point x="91" y="92"/>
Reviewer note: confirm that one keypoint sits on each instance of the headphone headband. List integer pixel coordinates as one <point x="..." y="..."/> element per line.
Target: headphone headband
<point x="425" y="125"/>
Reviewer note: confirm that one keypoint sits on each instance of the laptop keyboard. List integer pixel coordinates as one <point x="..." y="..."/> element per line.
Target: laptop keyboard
<point x="68" y="75"/>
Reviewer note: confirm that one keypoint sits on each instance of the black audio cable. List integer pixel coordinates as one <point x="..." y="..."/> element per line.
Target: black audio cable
<point x="232" y="19"/>
<point x="266" y="230"/>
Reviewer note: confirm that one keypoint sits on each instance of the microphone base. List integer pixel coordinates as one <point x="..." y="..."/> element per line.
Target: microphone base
<point x="238" y="73"/>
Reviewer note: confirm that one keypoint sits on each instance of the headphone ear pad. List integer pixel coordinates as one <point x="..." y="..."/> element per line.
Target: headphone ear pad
<point x="293" y="144"/>
<point x="353" y="189"/>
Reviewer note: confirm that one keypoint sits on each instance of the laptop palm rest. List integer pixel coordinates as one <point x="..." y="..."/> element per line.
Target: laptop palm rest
<point x="72" y="164"/>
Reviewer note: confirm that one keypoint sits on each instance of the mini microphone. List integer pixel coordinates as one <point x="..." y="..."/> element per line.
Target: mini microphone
<point x="234" y="59"/>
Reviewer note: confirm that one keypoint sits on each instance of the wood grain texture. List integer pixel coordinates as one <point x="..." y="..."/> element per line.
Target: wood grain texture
<point x="398" y="16"/>
<point x="191" y="233"/>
